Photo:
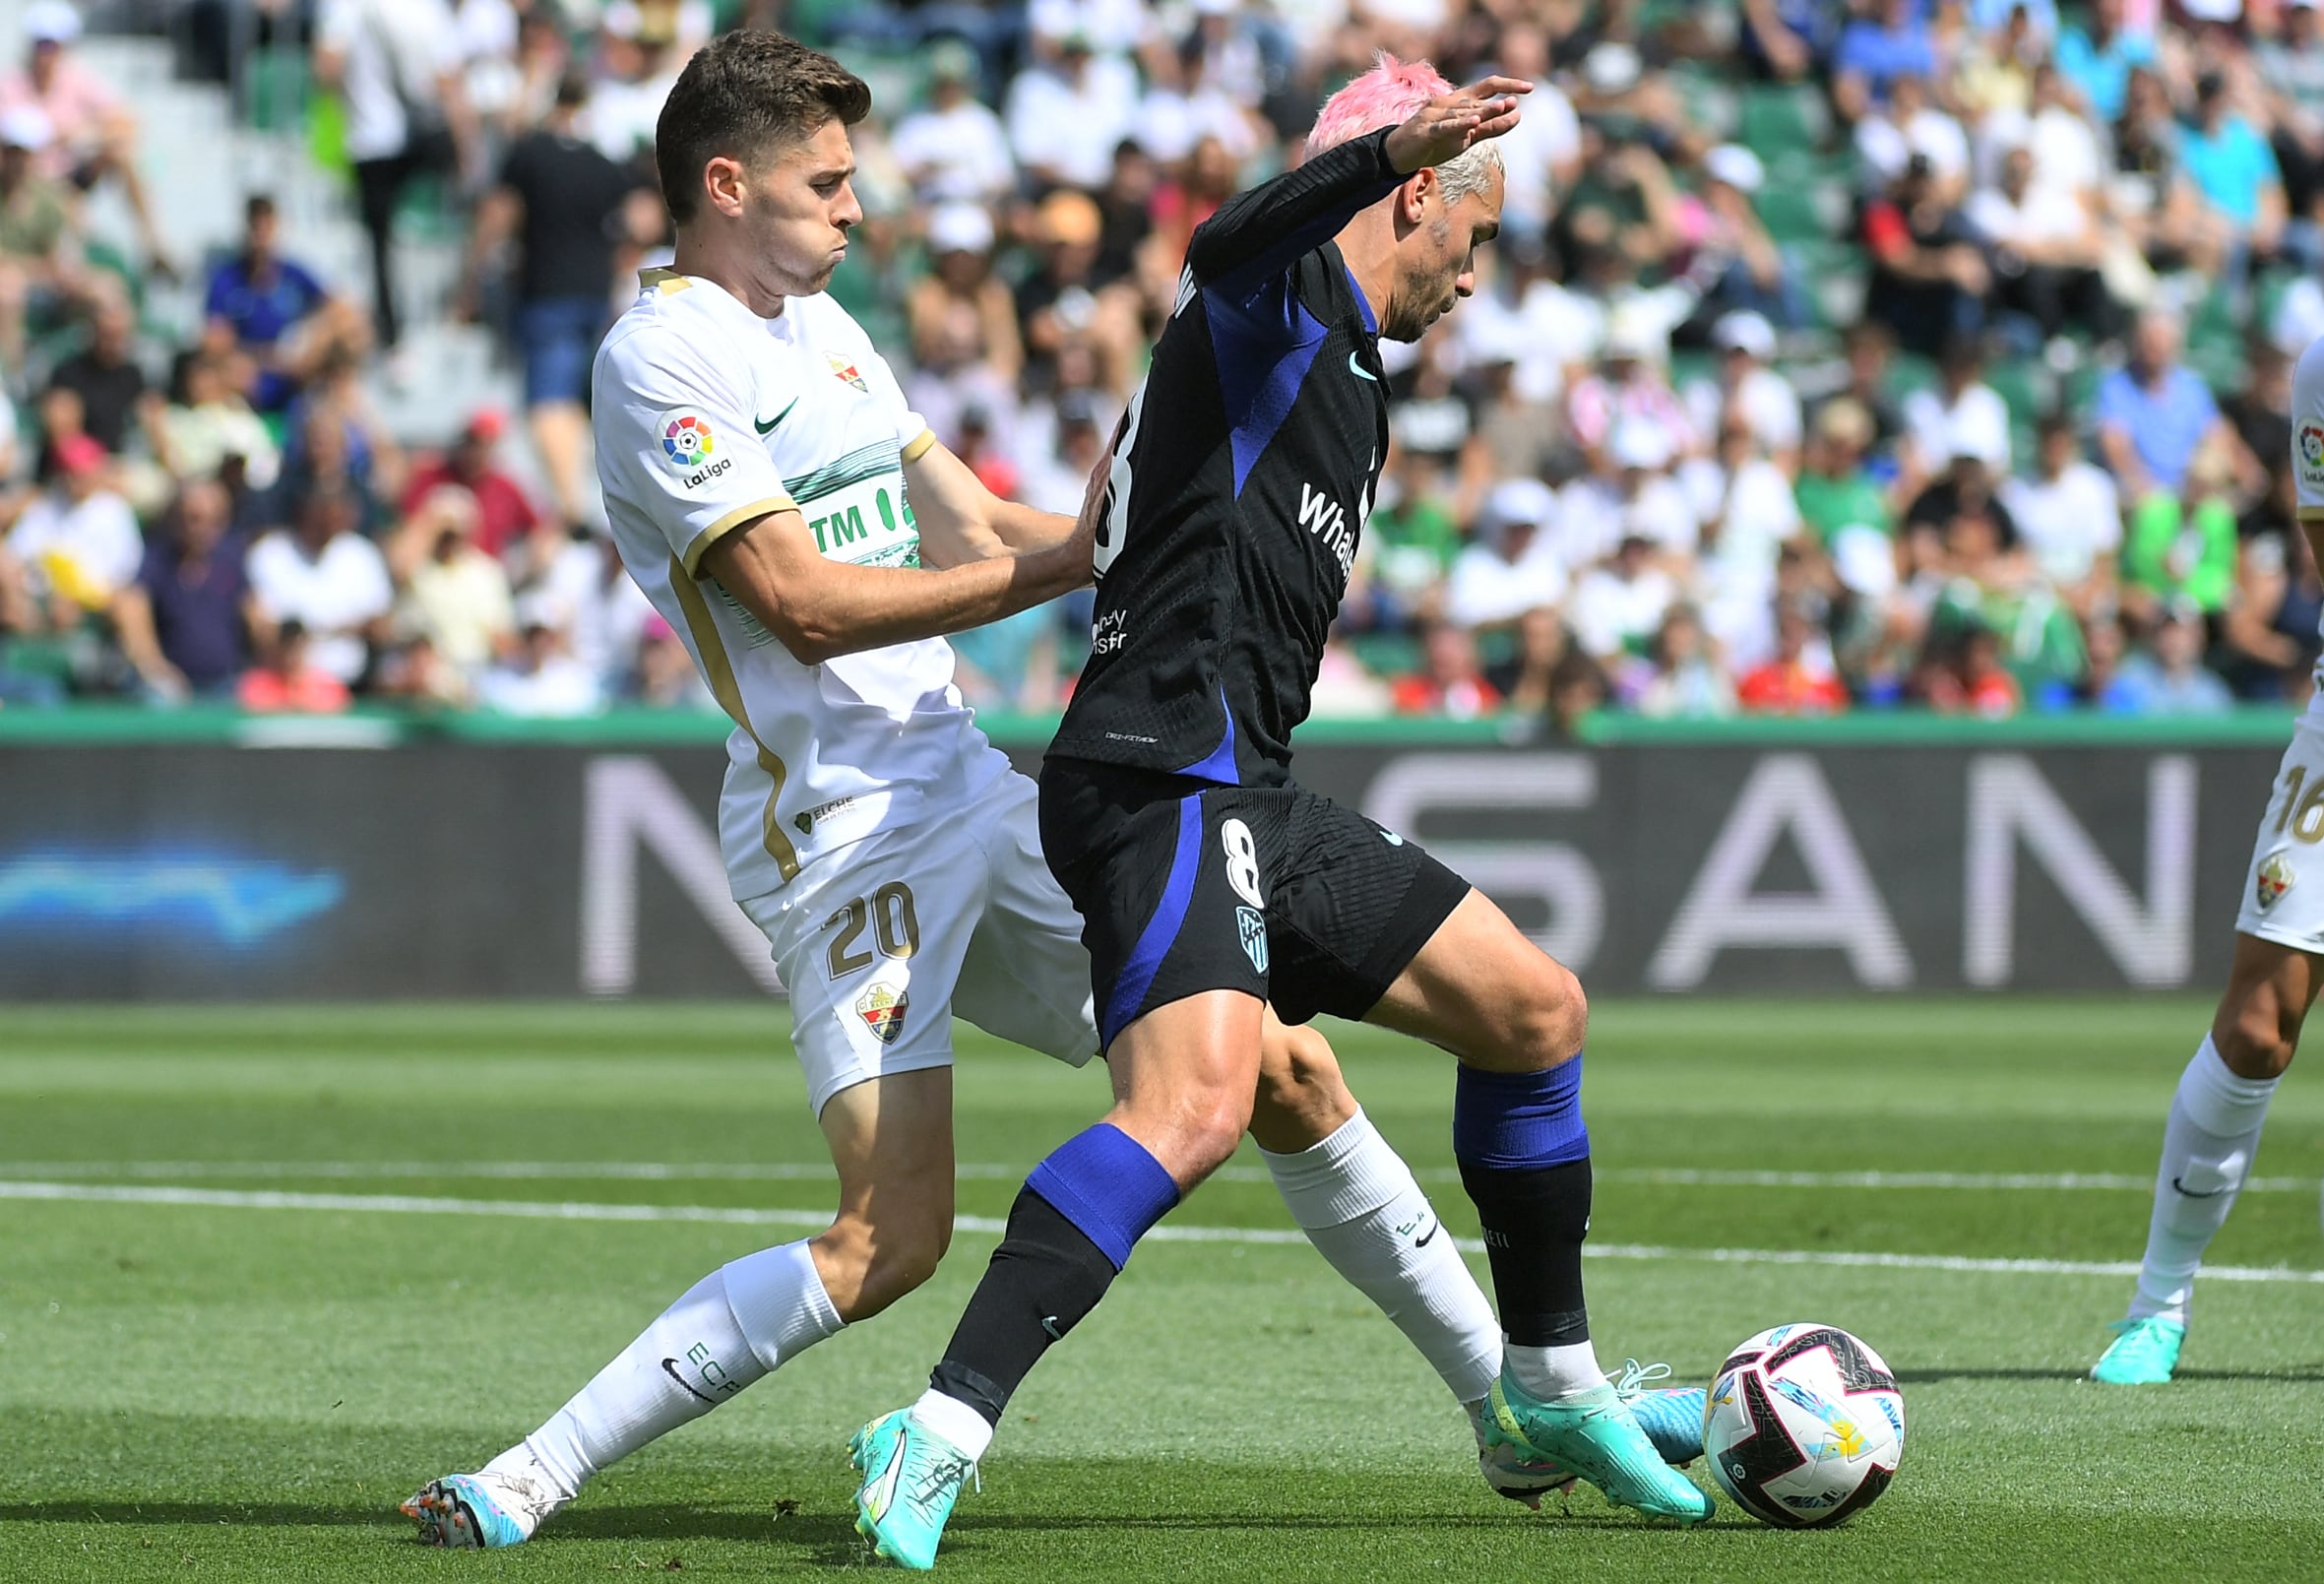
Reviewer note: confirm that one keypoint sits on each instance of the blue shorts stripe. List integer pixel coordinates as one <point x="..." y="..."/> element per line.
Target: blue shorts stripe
<point x="1162" y="930"/>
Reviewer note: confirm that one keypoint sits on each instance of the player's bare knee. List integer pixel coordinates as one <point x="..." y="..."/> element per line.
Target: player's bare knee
<point x="1549" y="1022"/>
<point x="2255" y="1034"/>
<point x="867" y="1264"/>
<point x="1299" y="1076"/>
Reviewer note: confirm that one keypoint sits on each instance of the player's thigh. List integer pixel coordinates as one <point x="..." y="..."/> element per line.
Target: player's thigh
<point x="891" y="1144"/>
<point x="1027" y="974"/>
<point x="1183" y="1075"/>
<point x="2270" y="988"/>
<point x="1168" y="878"/>
<point x="2279" y="925"/>
<point x="1479" y="989"/>
<point x="870" y="953"/>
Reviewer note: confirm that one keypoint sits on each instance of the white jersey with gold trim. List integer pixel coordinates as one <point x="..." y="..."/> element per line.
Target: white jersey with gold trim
<point x="2308" y="464"/>
<point x="707" y="418"/>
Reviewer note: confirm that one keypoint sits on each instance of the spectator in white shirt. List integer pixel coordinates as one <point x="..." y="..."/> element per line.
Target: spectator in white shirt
<point x="78" y="540"/>
<point x="1886" y="140"/>
<point x="328" y="578"/>
<point x="1175" y="117"/>
<point x="2045" y="251"/>
<point x="954" y="151"/>
<point x="1748" y="391"/>
<point x="1619" y="606"/>
<point x="397" y="64"/>
<point x="1066" y="118"/>
<point x="1512" y="566"/>
<point x="2070" y="517"/>
<point x="1542" y="155"/>
<point x="1961" y="410"/>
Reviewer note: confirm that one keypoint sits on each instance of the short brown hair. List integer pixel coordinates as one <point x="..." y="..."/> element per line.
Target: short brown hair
<point x="741" y="94"/>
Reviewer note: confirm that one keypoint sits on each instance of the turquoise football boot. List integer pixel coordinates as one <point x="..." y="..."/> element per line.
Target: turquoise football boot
<point x="2143" y="1352"/>
<point x="479" y="1511"/>
<point x="911" y="1477"/>
<point x="1597" y="1434"/>
<point x="1671" y="1416"/>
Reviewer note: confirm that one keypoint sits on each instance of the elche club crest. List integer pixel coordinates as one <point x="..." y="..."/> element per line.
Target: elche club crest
<point x="847" y="371"/>
<point x="882" y="1008"/>
<point x="2275" y="878"/>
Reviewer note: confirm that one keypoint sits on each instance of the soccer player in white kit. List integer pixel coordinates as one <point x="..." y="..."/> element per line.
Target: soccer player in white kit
<point x="807" y="537"/>
<point x="2223" y="1098"/>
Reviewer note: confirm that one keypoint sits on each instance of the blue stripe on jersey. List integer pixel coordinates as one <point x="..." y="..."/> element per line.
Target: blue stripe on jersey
<point x="1218" y="764"/>
<point x="1263" y="346"/>
<point x="1162" y="930"/>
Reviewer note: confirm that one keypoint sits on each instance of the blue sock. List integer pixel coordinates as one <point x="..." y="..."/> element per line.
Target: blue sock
<point x="1105" y="1182"/>
<point x="1070" y="1232"/>
<point x="1517" y="1121"/>
<point x="1524" y="1160"/>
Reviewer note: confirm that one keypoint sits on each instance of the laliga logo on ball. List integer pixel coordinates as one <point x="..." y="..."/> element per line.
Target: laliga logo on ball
<point x="687" y="440"/>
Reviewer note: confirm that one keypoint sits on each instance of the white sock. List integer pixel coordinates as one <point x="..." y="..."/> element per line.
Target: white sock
<point x="955" y="1421"/>
<point x="2207" y="1150"/>
<point x="1566" y="1370"/>
<point x="731" y="1327"/>
<point x="1356" y="1201"/>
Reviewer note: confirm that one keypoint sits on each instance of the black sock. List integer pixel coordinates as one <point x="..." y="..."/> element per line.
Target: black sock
<point x="1043" y="1278"/>
<point x="1535" y="1220"/>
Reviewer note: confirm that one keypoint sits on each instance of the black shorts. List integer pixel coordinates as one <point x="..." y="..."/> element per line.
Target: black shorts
<point x="1185" y="886"/>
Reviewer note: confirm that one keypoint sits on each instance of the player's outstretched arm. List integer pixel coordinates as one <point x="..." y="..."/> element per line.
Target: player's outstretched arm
<point x="821" y="610"/>
<point x="962" y="521"/>
<point x="1258" y="232"/>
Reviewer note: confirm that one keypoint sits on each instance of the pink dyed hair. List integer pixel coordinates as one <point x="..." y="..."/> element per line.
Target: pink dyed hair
<point x="1386" y="97"/>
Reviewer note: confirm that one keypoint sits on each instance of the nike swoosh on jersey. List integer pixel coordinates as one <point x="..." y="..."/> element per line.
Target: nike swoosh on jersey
<point x="1359" y="371"/>
<point x="1423" y="1242"/>
<point x="671" y="1366"/>
<point x="2188" y="1193"/>
<point x="767" y="425"/>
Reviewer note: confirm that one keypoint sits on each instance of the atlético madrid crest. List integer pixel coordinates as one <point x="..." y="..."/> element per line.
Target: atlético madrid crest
<point x="2275" y="878"/>
<point x="846" y="371"/>
<point x="882" y="1011"/>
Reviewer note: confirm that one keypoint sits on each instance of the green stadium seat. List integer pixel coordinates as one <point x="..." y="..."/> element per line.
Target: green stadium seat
<point x="276" y="85"/>
<point x="1387" y="654"/>
<point x="1791" y="214"/>
<point x="2024" y="385"/>
<point x="1778" y="120"/>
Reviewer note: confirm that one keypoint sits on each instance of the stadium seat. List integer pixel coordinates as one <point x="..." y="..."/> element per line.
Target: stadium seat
<point x="1791" y="213"/>
<point x="276" y="85"/>
<point x="1776" y="120"/>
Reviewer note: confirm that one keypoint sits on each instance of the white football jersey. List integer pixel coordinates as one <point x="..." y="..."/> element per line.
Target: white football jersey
<point x="707" y="418"/>
<point x="2307" y="462"/>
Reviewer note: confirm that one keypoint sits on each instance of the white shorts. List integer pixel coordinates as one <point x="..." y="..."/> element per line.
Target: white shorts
<point x="954" y="915"/>
<point x="2283" y="892"/>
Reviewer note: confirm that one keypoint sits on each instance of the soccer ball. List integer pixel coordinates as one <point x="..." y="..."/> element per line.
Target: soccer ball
<point x="1804" y="1426"/>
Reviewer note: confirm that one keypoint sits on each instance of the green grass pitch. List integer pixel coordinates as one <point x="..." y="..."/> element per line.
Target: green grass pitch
<point x="231" y="1388"/>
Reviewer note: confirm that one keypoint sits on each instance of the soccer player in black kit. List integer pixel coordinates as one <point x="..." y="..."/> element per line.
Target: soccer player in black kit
<point x="1210" y="883"/>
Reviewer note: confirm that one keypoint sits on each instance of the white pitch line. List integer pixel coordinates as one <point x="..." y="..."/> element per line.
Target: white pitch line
<point x="540" y="1210"/>
<point x="820" y="1171"/>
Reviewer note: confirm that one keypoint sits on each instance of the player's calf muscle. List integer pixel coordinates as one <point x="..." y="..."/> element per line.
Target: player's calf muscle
<point x="867" y="1264"/>
<point x="2258" y="1024"/>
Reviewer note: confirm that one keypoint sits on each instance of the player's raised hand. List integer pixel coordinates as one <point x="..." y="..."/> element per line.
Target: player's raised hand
<point x="1450" y="123"/>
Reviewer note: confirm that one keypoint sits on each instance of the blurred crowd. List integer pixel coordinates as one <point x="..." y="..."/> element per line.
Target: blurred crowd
<point x="1832" y="356"/>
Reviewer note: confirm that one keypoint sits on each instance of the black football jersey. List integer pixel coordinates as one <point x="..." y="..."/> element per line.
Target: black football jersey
<point x="1242" y="474"/>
